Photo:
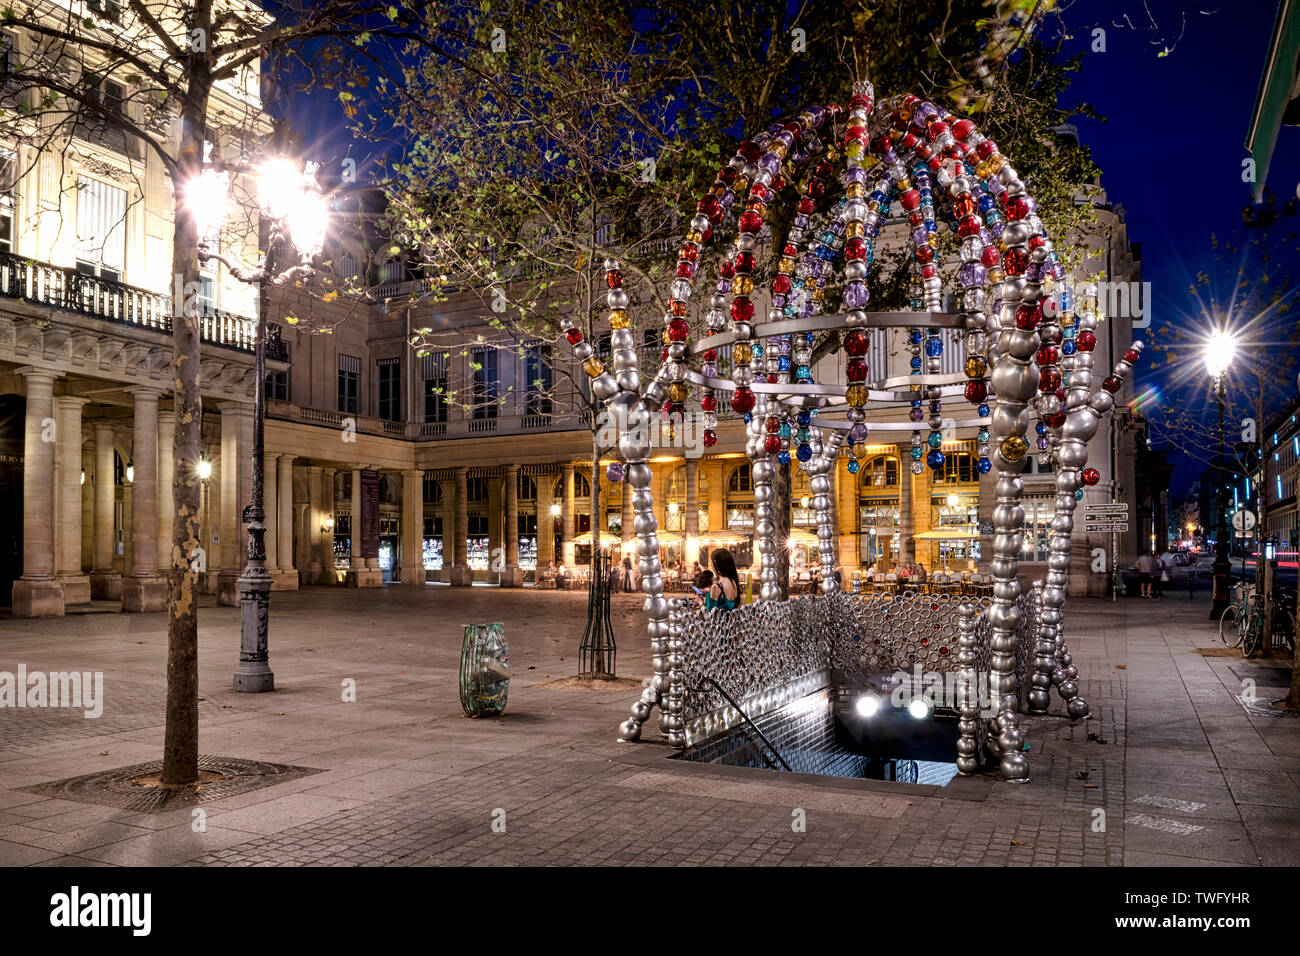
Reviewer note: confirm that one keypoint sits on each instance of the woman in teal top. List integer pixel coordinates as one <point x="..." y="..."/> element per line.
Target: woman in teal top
<point x="725" y="592"/>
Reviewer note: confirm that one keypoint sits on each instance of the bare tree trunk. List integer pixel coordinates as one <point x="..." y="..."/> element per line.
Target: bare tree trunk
<point x="781" y="518"/>
<point x="181" y="739"/>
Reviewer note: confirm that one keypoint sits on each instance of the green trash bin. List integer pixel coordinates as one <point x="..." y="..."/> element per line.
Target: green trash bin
<point x="484" y="670"/>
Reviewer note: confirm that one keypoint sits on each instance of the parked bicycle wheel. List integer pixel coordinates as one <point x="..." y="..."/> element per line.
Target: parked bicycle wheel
<point x="1230" y="629"/>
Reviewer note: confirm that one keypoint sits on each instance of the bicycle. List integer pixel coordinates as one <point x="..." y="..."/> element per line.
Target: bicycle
<point x="1242" y="622"/>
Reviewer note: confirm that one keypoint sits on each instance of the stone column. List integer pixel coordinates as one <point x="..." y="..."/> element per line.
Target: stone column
<point x="513" y="577"/>
<point x="629" y="517"/>
<point x="906" y="514"/>
<point x="287" y="579"/>
<point x="545" y="520"/>
<point x="144" y="589"/>
<point x="105" y="582"/>
<point x="691" y="548"/>
<point x="316" y="515"/>
<point x="413" y="527"/>
<point x="270" y="506"/>
<point x="236" y="493"/>
<point x="357" y="562"/>
<point x="461" y="574"/>
<point x="327" y="483"/>
<point x="67" y="507"/>
<point x="166" y="503"/>
<point x="38" y="593"/>
<point x="567" y="547"/>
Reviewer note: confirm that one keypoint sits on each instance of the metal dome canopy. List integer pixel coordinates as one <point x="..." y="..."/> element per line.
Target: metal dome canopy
<point x="1027" y="344"/>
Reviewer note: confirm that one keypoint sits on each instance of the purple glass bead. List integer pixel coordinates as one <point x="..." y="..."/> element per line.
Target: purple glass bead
<point x="858" y="433"/>
<point x="709" y="370"/>
<point x="724" y="286"/>
<point x="855" y="174"/>
<point x="855" y="294"/>
<point x="783" y="345"/>
<point x="1042" y="442"/>
<point x="727" y="199"/>
<point x="916" y="415"/>
<point x="818" y="114"/>
<point x="1058" y="271"/>
<point x="817" y="266"/>
<point x="920" y="236"/>
<point x="770" y="162"/>
<point x="995" y="229"/>
<point x="923" y="111"/>
<point x="986" y="237"/>
<point x="995" y="186"/>
<point x="972" y="275"/>
<point x="778" y="300"/>
<point x="936" y="408"/>
<point x="800" y="222"/>
<point x="614" y="472"/>
<point x="890" y="158"/>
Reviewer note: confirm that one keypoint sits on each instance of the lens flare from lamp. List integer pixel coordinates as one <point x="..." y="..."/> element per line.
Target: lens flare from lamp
<point x="868" y="705"/>
<point x="919" y="708"/>
<point x="205" y="198"/>
<point x="205" y="469"/>
<point x="308" y="223"/>
<point x="1219" y="352"/>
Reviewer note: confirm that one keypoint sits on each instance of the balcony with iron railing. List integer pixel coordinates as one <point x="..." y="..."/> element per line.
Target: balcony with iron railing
<point x="68" y="290"/>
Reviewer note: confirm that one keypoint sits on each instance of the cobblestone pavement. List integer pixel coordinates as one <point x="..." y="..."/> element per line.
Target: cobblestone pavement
<point x="1172" y="769"/>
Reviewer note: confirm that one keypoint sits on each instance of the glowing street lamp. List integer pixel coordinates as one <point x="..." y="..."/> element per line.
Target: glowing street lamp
<point x="1220" y="349"/>
<point x="298" y="216"/>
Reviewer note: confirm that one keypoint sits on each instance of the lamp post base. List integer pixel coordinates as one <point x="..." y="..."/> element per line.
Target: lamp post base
<point x="253" y="675"/>
<point x="1222" y="590"/>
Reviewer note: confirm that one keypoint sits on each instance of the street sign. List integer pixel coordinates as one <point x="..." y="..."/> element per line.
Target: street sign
<point x="1117" y="509"/>
<point x="1109" y="527"/>
<point x="1243" y="520"/>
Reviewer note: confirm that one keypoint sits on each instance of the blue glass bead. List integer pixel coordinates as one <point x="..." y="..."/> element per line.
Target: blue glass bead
<point x="803" y="417"/>
<point x="803" y="373"/>
<point x="916" y="363"/>
<point x="935" y="459"/>
<point x="986" y="202"/>
<point x="853" y="466"/>
<point x="757" y="350"/>
<point x="1068" y="347"/>
<point x="1078" y="494"/>
<point x="1040" y="428"/>
<point x="748" y="418"/>
<point x="934" y="439"/>
<point x="784" y="458"/>
<point x="982" y="435"/>
<point x="984" y="465"/>
<point x="785" y="430"/>
<point x="982" y="411"/>
<point x="934" y="347"/>
<point x="783" y="363"/>
<point x="917" y="452"/>
<point x="915" y="336"/>
<point x="804" y="452"/>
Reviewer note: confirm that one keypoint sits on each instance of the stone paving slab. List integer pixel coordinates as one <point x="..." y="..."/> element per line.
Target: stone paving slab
<point x="1170" y="770"/>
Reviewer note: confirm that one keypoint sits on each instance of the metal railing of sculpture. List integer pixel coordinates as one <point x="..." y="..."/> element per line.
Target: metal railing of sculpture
<point x="1027" y="346"/>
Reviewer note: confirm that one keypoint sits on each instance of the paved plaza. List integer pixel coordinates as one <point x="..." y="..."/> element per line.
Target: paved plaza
<point x="1172" y="770"/>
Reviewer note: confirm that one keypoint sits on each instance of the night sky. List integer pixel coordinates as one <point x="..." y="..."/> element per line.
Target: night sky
<point x="1170" y="149"/>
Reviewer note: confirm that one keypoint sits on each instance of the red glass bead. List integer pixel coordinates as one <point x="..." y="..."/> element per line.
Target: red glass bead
<point x="710" y="355"/>
<point x="910" y="140"/>
<point x="790" y="249"/>
<point x="1049" y="379"/>
<point x="1054" y="419"/>
<point x="711" y="207"/>
<point x="856" y="370"/>
<point x="923" y="151"/>
<point x="710" y="438"/>
<point x="772" y="444"/>
<point x="1017" y="207"/>
<point x="910" y="199"/>
<point x="807" y="206"/>
<point x="727" y="175"/>
<point x="750" y="221"/>
<point x="855" y="249"/>
<point x="1028" y="316"/>
<point x="817" y="188"/>
<point x="962" y="128"/>
<point x="856" y="343"/>
<point x="1131" y="355"/>
<point x="744" y="262"/>
<point x="968" y="226"/>
<point x="742" y="401"/>
<point x="1047" y="356"/>
<point x="990" y="257"/>
<point x="613" y="279"/>
<point x="1087" y="341"/>
<point x="976" y="391"/>
<point x="986" y="148"/>
<point x="742" y="310"/>
<point x="1112" y="384"/>
<point x="778" y="183"/>
<point x="781" y="284"/>
<point x="708" y="404"/>
<point x="679" y="330"/>
<point x="727" y="270"/>
<point x="937" y="129"/>
<point x="1016" y="262"/>
<point x="964" y="205"/>
<point x="750" y="151"/>
<point x="1090" y="476"/>
<point x="574" y="336"/>
<point x="929" y="270"/>
<point x="758" y="191"/>
<point x="924" y="254"/>
<point x="685" y="270"/>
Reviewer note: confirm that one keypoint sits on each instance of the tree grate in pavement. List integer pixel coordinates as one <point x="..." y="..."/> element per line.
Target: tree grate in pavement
<point x="220" y="777"/>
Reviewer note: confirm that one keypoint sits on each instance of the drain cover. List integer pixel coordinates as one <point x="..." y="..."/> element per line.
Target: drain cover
<point x="129" y="788"/>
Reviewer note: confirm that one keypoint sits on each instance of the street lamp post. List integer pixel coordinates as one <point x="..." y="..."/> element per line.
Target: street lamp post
<point x="295" y="209"/>
<point x="1219" y="351"/>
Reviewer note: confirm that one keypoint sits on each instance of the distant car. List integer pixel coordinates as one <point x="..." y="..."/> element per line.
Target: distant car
<point x="1182" y="559"/>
